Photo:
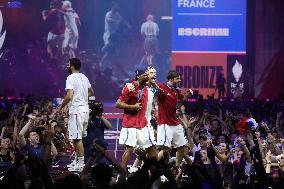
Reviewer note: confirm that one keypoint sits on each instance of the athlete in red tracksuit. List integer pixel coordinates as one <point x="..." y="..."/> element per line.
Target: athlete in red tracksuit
<point x="170" y="131"/>
<point x="136" y="100"/>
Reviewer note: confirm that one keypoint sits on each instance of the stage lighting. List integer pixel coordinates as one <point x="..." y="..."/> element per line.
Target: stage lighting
<point x="16" y="4"/>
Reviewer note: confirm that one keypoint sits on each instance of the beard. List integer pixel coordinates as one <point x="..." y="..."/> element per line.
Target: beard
<point x="176" y="85"/>
<point x="69" y="70"/>
<point x="143" y="82"/>
<point x="173" y="85"/>
<point x="153" y="78"/>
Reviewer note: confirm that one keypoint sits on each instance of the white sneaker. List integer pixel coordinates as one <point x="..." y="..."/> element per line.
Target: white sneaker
<point x="72" y="164"/>
<point x="77" y="168"/>
<point x="133" y="169"/>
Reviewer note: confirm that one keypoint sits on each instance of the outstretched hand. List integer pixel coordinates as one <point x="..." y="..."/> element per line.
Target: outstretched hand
<point x="188" y="93"/>
<point x="49" y="134"/>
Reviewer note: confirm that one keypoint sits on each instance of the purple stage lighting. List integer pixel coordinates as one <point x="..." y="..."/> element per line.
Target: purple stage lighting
<point x="15" y="4"/>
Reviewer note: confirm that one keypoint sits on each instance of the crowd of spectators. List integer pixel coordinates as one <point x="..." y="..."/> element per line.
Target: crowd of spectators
<point x="218" y="155"/>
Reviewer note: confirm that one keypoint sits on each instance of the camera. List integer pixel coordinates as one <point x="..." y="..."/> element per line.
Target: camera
<point x="96" y="108"/>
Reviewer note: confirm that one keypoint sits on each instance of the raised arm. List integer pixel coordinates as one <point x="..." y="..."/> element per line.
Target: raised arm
<point x="25" y="109"/>
<point x="53" y="149"/>
<point x="3" y="132"/>
<point x="223" y="123"/>
<point x="268" y="162"/>
<point x="22" y="140"/>
<point x="222" y="158"/>
<point x="272" y="141"/>
<point x="278" y="125"/>
<point x="190" y="129"/>
<point x="49" y="147"/>
<point x="15" y="131"/>
<point x="246" y="151"/>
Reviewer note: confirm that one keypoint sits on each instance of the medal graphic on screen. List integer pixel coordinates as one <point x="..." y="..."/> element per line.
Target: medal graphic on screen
<point x="237" y="87"/>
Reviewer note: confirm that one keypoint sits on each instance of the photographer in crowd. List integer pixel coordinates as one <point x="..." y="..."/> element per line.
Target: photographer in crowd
<point x="95" y="131"/>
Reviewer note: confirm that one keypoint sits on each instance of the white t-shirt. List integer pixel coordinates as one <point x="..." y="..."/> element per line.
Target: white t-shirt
<point x="112" y="21"/>
<point x="150" y="28"/>
<point x="80" y="84"/>
<point x="70" y="21"/>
